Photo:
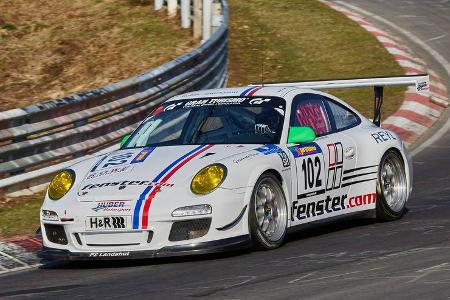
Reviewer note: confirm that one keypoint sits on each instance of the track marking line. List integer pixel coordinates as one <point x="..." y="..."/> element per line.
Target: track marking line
<point x="250" y="278"/>
<point x="333" y="276"/>
<point x="437" y="37"/>
<point x="428" y="271"/>
<point x="302" y="277"/>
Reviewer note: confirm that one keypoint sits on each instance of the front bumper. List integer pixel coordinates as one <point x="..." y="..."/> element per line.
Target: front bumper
<point x="233" y="243"/>
<point x="71" y="239"/>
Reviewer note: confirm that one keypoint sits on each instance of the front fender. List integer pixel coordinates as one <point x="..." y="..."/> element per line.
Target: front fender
<point x="256" y="173"/>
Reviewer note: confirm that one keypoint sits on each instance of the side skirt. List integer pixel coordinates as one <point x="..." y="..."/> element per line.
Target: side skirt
<point x="364" y="214"/>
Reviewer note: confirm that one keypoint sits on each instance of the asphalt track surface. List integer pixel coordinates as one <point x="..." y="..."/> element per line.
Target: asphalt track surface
<point x="409" y="258"/>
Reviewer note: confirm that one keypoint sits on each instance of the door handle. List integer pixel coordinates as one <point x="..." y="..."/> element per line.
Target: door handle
<point x="349" y="152"/>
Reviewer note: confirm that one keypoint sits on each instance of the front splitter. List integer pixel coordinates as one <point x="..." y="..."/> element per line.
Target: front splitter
<point x="234" y="243"/>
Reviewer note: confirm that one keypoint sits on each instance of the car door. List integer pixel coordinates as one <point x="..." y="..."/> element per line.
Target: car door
<point x="319" y="164"/>
<point x="359" y="177"/>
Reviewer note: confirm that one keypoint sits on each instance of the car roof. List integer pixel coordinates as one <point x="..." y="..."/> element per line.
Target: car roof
<point x="285" y="92"/>
<point x="243" y="92"/>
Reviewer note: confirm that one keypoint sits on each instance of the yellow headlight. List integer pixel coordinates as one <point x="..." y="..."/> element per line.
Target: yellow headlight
<point x="61" y="184"/>
<point x="208" y="179"/>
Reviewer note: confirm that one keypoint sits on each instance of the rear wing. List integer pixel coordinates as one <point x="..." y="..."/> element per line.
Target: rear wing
<point x="421" y="83"/>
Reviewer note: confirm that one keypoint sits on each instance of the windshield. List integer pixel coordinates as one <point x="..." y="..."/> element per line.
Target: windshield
<point x="231" y="120"/>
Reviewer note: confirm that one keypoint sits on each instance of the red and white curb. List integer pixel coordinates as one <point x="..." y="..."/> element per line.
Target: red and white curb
<point x="19" y="253"/>
<point x="417" y="113"/>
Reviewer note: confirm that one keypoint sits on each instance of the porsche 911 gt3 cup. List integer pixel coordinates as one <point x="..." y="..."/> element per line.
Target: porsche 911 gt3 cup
<point x="227" y="168"/>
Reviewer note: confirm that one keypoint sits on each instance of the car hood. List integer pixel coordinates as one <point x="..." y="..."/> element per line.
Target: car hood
<point x="126" y="174"/>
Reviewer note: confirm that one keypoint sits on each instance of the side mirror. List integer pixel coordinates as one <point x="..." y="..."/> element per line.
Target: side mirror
<point x="301" y="134"/>
<point x="124" y="139"/>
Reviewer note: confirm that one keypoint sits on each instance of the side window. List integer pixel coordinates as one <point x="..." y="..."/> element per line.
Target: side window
<point x="342" y="116"/>
<point x="309" y="110"/>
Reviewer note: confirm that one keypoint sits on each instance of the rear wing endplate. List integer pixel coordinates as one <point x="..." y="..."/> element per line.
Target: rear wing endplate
<point x="421" y="83"/>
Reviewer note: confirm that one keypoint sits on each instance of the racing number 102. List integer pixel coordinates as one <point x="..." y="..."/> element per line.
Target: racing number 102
<point x="311" y="178"/>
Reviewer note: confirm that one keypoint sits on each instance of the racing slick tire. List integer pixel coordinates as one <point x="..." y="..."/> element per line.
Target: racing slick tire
<point x="268" y="213"/>
<point x="392" y="187"/>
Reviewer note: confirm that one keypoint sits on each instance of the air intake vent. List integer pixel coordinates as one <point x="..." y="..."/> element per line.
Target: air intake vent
<point x="77" y="237"/>
<point x="56" y="234"/>
<point x="191" y="229"/>
<point x="150" y="237"/>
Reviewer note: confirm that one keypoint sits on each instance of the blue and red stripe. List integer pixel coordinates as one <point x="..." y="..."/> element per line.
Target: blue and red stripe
<point x="147" y="195"/>
<point x="250" y="91"/>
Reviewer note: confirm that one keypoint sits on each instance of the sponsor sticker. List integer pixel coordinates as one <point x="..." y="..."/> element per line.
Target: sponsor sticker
<point x="263" y="129"/>
<point x="224" y="101"/>
<point x="109" y="254"/>
<point x="330" y="204"/>
<point x="214" y="101"/>
<point x="248" y="156"/>
<point x="422" y="86"/>
<point x="335" y="165"/>
<point x="142" y="155"/>
<point x="109" y="171"/>
<point x="284" y="159"/>
<point x="108" y="223"/>
<point x="361" y="200"/>
<point x="111" y="206"/>
<point x="258" y="101"/>
<point x="122" y="185"/>
<point x="305" y="149"/>
<point x="172" y="106"/>
<point x="122" y="158"/>
<point x="269" y="149"/>
<point x="383" y="136"/>
<point x="317" y="208"/>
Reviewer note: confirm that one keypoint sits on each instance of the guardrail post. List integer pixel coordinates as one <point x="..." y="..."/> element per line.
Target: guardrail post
<point x="185" y="13"/>
<point x="172" y="8"/>
<point x="158" y="4"/>
<point x="197" y="18"/>
<point x="217" y="18"/>
<point x="206" y="32"/>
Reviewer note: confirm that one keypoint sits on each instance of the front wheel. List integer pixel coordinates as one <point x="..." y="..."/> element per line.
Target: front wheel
<point x="268" y="213"/>
<point x="392" y="187"/>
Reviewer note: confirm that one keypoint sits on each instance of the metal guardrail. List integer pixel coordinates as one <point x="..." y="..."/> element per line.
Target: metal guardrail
<point x="38" y="140"/>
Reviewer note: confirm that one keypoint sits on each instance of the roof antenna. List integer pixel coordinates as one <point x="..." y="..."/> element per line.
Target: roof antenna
<point x="261" y="55"/>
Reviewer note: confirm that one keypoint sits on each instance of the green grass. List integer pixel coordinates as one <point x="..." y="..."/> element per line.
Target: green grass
<point x="20" y="217"/>
<point x="7" y="26"/>
<point x="306" y="40"/>
<point x="53" y="48"/>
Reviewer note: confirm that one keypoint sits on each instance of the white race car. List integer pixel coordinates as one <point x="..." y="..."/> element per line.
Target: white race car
<point x="217" y="169"/>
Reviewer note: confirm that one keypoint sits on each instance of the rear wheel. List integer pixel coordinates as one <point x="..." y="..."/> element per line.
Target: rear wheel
<point x="392" y="189"/>
<point x="268" y="213"/>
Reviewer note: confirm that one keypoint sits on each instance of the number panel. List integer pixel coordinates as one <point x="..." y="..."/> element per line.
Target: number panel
<point x="311" y="173"/>
<point x="320" y="169"/>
